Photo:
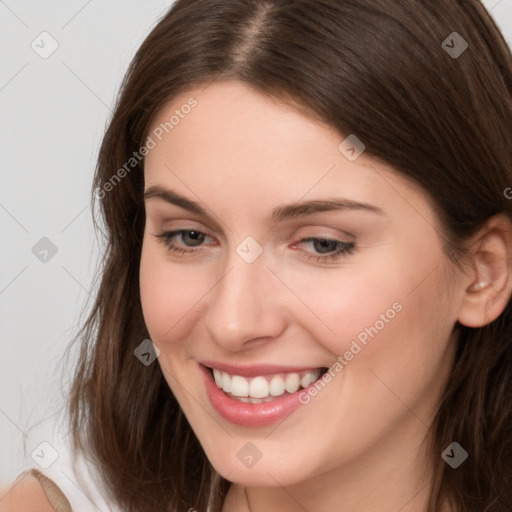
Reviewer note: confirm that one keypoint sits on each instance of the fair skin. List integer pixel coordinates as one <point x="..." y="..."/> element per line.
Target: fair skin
<point x="25" y="494"/>
<point x="357" y="445"/>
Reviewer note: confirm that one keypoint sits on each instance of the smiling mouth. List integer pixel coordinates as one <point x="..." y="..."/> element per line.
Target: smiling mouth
<point x="264" y="388"/>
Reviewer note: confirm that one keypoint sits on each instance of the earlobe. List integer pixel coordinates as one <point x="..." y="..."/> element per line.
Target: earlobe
<point x="489" y="284"/>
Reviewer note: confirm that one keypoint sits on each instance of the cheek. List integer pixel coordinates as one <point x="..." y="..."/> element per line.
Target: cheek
<point x="394" y="318"/>
<point x="350" y="305"/>
<point x="168" y="294"/>
<point x="399" y="345"/>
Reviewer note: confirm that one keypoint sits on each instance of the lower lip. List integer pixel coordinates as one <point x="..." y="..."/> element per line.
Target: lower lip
<point x="245" y="414"/>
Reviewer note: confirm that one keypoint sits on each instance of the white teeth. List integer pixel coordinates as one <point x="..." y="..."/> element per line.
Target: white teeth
<point x="217" y="375"/>
<point x="239" y="386"/>
<point x="258" y="388"/>
<point x="277" y="386"/>
<point x="308" y="379"/>
<point x="250" y="400"/>
<point x="261" y="388"/>
<point x="292" y="382"/>
<point x="226" y="382"/>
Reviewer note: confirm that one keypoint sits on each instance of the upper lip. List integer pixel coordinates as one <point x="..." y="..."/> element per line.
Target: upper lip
<point x="256" y="369"/>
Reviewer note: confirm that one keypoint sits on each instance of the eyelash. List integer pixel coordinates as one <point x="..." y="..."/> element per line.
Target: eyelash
<point x="344" y="248"/>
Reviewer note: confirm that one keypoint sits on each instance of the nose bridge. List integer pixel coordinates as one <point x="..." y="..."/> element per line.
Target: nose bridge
<point x="242" y="306"/>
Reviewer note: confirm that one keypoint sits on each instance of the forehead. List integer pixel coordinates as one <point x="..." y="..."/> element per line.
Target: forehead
<point x="229" y="142"/>
<point x="240" y="119"/>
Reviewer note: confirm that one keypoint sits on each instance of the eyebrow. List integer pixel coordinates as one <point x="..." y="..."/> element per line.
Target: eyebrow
<point x="288" y="211"/>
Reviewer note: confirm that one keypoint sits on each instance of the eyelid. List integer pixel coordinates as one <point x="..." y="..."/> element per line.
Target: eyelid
<point x="323" y="232"/>
<point x="186" y="225"/>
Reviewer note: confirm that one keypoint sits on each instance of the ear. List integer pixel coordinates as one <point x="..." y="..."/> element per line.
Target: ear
<point x="489" y="282"/>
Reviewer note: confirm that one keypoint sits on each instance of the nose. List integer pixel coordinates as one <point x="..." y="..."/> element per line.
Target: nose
<point x="245" y="305"/>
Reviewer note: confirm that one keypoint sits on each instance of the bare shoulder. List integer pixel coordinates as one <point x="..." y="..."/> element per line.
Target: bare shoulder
<point x="26" y="493"/>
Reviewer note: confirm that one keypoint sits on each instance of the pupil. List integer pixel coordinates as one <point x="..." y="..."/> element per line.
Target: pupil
<point x="195" y="236"/>
<point x="325" y="246"/>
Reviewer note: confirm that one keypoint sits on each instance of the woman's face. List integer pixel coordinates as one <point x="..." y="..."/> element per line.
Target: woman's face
<point x="253" y="287"/>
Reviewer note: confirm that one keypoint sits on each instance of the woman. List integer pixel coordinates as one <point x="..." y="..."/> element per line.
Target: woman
<point x="305" y="298"/>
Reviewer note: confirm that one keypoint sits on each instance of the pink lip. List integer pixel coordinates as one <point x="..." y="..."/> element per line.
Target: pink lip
<point x="245" y="414"/>
<point x="254" y="370"/>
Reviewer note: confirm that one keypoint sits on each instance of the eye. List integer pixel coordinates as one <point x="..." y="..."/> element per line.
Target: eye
<point x="193" y="237"/>
<point x="328" y="249"/>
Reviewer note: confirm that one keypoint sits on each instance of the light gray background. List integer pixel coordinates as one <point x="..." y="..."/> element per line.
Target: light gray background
<point x="53" y="114"/>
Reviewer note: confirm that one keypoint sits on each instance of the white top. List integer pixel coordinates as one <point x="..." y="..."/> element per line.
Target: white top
<point x="75" y="476"/>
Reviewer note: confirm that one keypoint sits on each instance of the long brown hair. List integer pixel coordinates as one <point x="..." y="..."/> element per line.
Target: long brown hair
<point x="376" y="68"/>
